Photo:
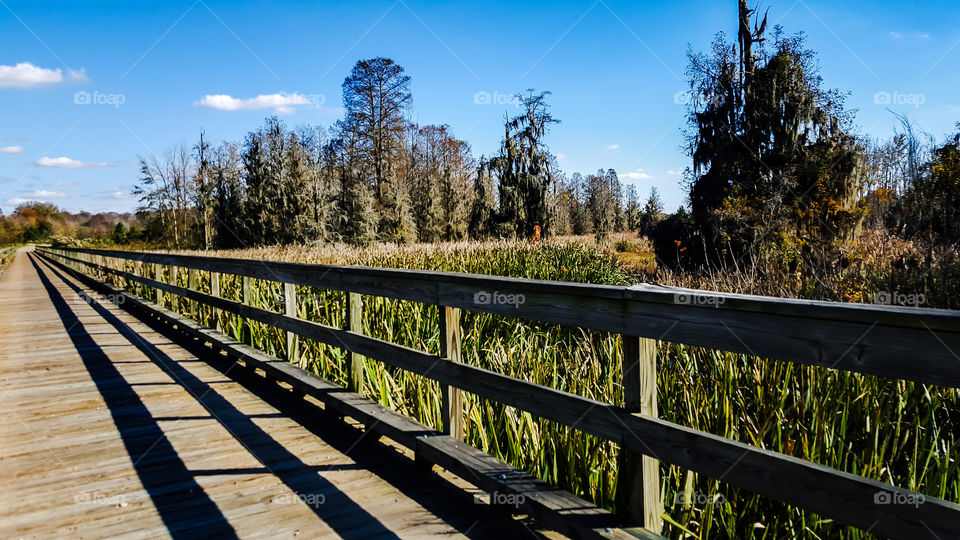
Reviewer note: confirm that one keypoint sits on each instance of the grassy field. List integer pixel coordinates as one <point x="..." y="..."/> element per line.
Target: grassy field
<point x="893" y="431"/>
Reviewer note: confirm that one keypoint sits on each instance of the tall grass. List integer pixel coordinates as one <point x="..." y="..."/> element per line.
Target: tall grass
<point x="893" y="431"/>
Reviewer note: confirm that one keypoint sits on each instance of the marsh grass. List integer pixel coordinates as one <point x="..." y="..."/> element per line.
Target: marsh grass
<point x="897" y="432"/>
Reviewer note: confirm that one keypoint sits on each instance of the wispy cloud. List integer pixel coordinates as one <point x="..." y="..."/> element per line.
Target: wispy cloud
<point x="67" y="163"/>
<point x="636" y="175"/>
<point x="673" y="173"/>
<point x="44" y="194"/>
<point x="561" y="156"/>
<point x="613" y="147"/>
<point x="11" y="150"/>
<point x="25" y="75"/>
<point x="280" y="103"/>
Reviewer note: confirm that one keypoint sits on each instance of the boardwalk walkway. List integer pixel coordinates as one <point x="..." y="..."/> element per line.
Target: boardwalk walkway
<point x="110" y="429"/>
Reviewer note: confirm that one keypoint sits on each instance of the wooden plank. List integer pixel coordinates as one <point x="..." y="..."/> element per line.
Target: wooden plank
<point x="638" y="476"/>
<point x="846" y="497"/>
<point x="354" y="324"/>
<point x="451" y="405"/>
<point x="290" y="309"/>
<point x="862" y="338"/>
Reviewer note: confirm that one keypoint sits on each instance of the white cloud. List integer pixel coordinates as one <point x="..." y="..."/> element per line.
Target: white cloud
<point x="44" y="194"/>
<point x="896" y="35"/>
<point x="119" y="194"/>
<point x="613" y="147"/>
<point x="673" y="173"/>
<point x="923" y="35"/>
<point x="561" y="156"/>
<point x="64" y="184"/>
<point x="280" y="103"/>
<point x="67" y="163"/>
<point x="25" y="74"/>
<point x="636" y="175"/>
<point x="11" y="150"/>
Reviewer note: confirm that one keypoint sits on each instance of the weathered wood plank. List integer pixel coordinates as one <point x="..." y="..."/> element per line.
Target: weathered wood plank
<point x="290" y="309"/>
<point x="354" y="360"/>
<point x="451" y="405"/>
<point x="638" y="478"/>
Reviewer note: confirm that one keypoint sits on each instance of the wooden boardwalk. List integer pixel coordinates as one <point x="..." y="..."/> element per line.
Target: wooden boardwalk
<point x="110" y="429"/>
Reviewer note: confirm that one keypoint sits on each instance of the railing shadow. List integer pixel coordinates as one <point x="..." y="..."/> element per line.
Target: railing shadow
<point x="183" y="505"/>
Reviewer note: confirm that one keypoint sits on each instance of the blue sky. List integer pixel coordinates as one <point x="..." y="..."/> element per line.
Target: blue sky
<point x="615" y="70"/>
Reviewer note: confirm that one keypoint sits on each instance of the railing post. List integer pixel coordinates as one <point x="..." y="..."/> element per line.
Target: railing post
<point x="451" y="404"/>
<point x="157" y="270"/>
<point x="173" y="281"/>
<point x="192" y="285"/>
<point x="215" y="291"/>
<point x="247" y="290"/>
<point x="638" y="479"/>
<point x="354" y="324"/>
<point x="290" y="308"/>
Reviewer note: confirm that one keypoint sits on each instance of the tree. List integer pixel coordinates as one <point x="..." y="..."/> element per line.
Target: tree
<point x="165" y="188"/>
<point x="930" y="206"/>
<point x="522" y="168"/>
<point x="203" y="189"/>
<point x="632" y="208"/>
<point x="484" y="205"/>
<point x="376" y="97"/>
<point x="771" y="150"/>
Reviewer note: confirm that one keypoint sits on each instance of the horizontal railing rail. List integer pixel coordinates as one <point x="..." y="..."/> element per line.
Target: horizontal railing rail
<point x="903" y="343"/>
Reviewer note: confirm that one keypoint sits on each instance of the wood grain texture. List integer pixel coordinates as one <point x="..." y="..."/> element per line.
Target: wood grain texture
<point x="451" y="405"/>
<point x="638" y="479"/>
<point x="354" y="320"/>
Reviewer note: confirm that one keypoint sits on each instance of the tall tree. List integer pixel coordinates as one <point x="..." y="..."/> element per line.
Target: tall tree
<point x="523" y="168"/>
<point x="771" y="149"/>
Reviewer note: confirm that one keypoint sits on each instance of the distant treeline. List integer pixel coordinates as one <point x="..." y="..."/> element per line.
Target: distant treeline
<point x="39" y="221"/>
<point x="375" y="176"/>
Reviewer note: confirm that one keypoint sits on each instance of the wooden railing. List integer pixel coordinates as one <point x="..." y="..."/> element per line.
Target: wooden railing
<point x="895" y="342"/>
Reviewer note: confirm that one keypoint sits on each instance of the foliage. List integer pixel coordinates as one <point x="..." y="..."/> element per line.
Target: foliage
<point x="771" y="150"/>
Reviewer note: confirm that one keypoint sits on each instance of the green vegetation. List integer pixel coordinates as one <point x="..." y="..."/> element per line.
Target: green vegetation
<point x="893" y="431"/>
